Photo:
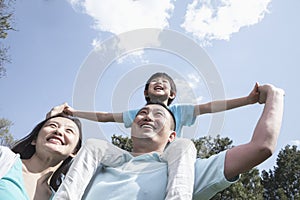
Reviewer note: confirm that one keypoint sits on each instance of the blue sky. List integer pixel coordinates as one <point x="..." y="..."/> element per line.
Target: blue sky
<point x="245" y="42"/>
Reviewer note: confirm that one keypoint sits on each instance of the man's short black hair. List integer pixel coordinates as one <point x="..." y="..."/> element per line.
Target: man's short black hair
<point x="166" y="107"/>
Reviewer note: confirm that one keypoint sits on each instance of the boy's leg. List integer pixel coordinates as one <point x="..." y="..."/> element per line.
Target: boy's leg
<point x="93" y="153"/>
<point x="181" y="157"/>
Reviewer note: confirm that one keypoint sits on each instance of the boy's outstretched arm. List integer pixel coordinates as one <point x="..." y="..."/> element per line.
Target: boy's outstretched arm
<point x="242" y="158"/>
<point x="94" y="116"/>
<point x="222" y="105"/>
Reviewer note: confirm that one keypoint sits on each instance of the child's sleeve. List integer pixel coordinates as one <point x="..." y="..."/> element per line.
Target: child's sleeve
<point x="184" y="114"/>
<point x="128" y="117"/>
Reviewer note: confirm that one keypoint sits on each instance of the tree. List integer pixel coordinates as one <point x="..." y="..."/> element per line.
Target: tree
<point x="6" y="138"/>
<point x="122" y="142"/>
<point x="6" y="18"/>
<point x="284" y="181"/>
<point x="247" y="187"/>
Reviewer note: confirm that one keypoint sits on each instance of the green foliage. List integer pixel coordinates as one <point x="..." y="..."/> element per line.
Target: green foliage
<point x="284" y="181"/>
<point x="122" y="142"/>
<point x="208" y="146"/>
<point x="6" y="20"/>
<point x="6" y="138"/>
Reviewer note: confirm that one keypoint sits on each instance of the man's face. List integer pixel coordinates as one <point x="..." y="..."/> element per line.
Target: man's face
<point x="153" y="122"/>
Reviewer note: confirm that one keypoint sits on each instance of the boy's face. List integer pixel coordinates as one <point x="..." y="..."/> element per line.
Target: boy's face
<point x="160" y="88"/>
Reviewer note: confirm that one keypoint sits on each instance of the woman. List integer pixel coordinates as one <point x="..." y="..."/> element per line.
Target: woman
<point x="46" y="152"/>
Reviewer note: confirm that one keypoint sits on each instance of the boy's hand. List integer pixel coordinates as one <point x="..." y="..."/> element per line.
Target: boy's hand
<point x="69" y="110"/>
<point x="253" y="97"/>
<point x="63" y="108"/>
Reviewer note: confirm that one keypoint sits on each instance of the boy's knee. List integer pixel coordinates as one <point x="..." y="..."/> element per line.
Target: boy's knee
<point x="178" y="149"/>
<point x="93" y="144"/>
<point x="183" y="144"/>
<point x="94" y="141"/>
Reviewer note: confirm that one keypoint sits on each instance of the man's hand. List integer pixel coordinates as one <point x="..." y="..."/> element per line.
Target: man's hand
<point x="264" y="91"/>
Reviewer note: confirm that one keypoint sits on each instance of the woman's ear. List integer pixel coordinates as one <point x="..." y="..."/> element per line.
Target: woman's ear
<point x="74" y="153"/>
<point x="33" y="142"/>
<point x="146" y="93"/>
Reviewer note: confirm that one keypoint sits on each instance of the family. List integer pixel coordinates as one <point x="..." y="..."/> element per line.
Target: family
<point x="52" y="163"/>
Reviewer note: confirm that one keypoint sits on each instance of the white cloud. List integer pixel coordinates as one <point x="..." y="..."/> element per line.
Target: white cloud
<point x="118" y="17"/>
<point x="121" y="16"/>
<point x="187" y="89"/>
<point x="134" y="57"/>
<point x="209" y="20"/>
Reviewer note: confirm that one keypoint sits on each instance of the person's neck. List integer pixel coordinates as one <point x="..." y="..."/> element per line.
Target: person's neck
<point x="144" y="146"/>
<point x="157" y="99"/>
<point x="38" y="165"/>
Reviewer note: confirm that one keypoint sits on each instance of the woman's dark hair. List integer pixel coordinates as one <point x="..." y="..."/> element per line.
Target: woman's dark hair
<point x="163" y="75"/>
<point x="26" y="149"/>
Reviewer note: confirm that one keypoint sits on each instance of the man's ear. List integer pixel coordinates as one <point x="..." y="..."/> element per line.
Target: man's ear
<point x="172" y="136"/>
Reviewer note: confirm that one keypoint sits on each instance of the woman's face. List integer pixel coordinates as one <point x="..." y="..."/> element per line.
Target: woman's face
<point x="59" y="136"/>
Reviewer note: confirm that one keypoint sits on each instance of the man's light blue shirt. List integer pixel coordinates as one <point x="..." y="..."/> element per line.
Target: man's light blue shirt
<point x="145" y="177"/>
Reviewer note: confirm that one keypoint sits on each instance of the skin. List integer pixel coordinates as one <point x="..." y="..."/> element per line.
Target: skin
<point x="222" y="105"/>
<point x="244" y="157"/>
<point x="152" y="130"/>
<point x="56" y="141"/>
<point x="160" y="90"/>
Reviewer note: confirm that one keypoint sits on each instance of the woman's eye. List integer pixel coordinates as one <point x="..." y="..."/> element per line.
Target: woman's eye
<point x="69" y="130"/>
<point x="52" y="125"/>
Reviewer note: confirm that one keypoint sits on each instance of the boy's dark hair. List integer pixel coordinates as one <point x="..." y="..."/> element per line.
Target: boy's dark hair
<point x="166" y="107"/>
<point x="166" y="76"/>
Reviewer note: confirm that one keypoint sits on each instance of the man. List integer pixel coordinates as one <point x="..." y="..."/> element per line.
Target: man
<point x="144" y="174"/>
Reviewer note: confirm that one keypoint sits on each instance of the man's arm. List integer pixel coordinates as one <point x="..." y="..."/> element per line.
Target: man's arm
<point x="244" y="157"/>
<point x="222" y="105"/>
